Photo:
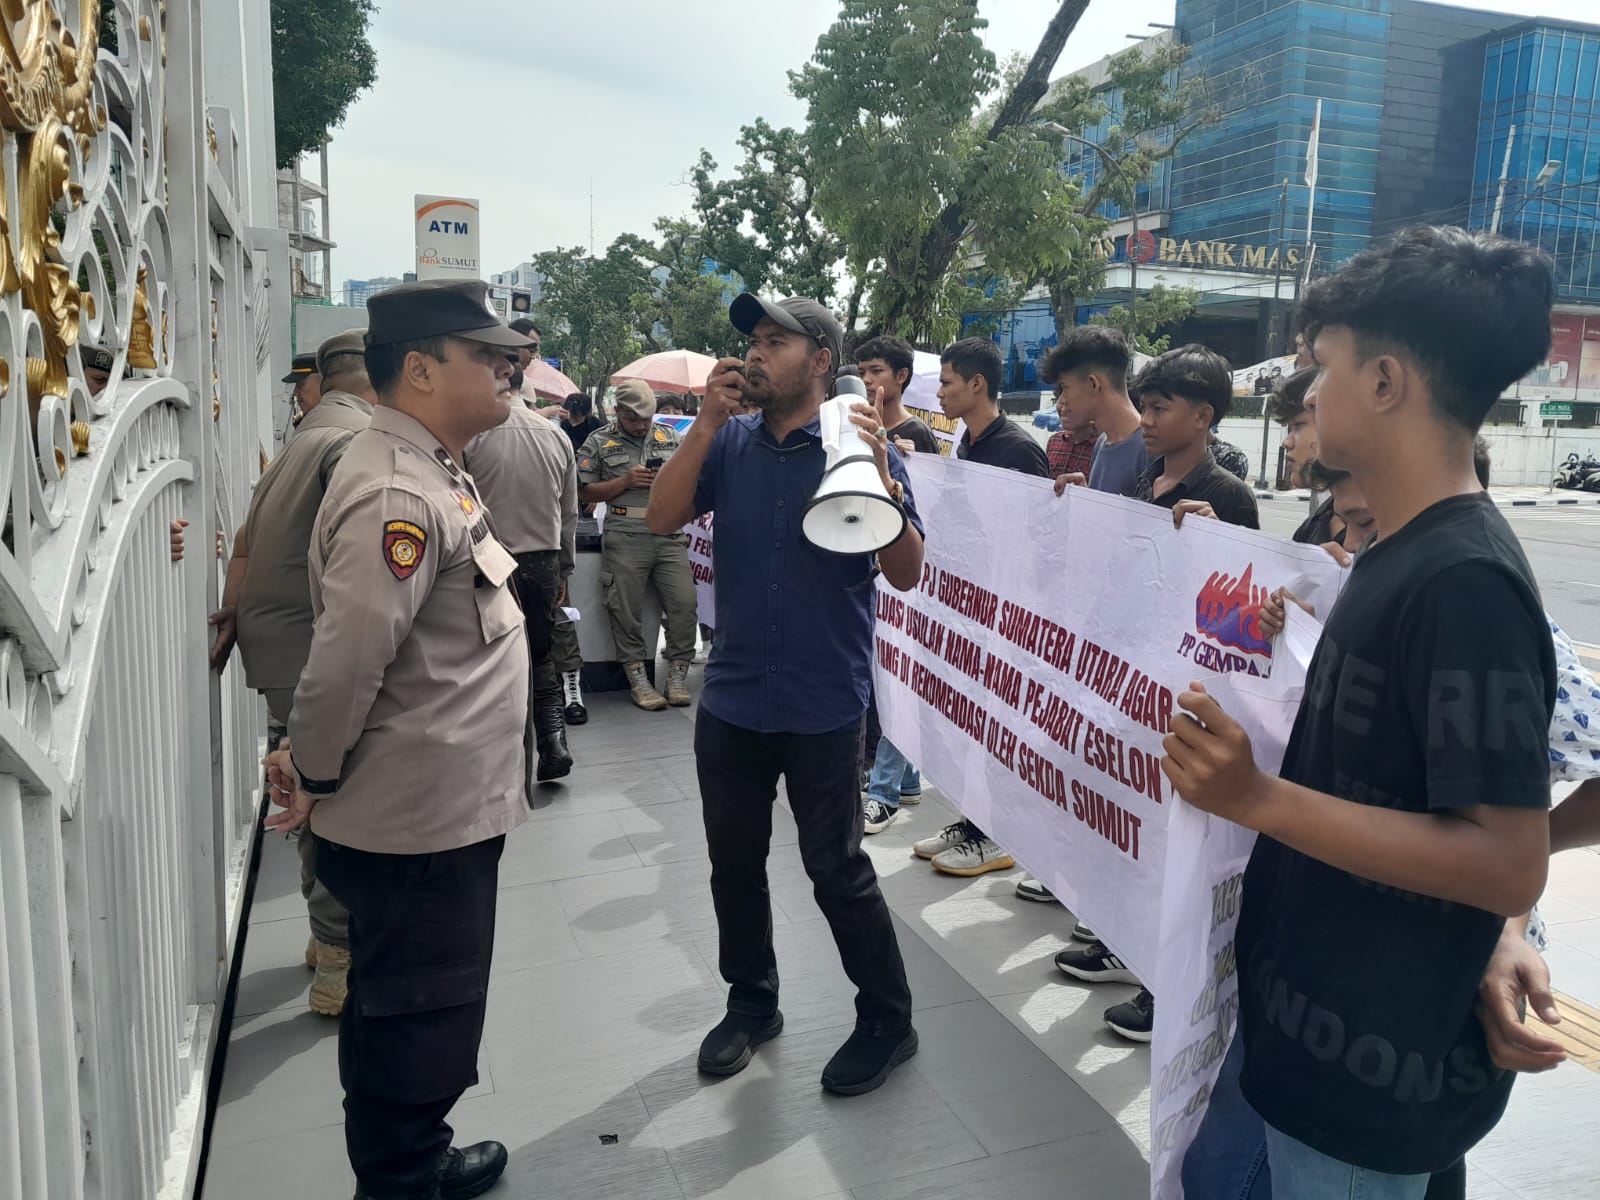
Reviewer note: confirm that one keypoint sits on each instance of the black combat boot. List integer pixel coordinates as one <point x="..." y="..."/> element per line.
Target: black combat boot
<point x="555" y="760"/>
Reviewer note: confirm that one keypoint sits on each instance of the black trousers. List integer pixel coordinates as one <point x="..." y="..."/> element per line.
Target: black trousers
<point x="421" y="940"/>
<point x="739" y="772"/>
<point x="537" y="583"/>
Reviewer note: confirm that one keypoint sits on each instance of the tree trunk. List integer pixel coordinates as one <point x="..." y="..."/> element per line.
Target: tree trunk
<point x="943" y="240"/>
<point x="853" y="311"/>
<point x="1065" y="306"/>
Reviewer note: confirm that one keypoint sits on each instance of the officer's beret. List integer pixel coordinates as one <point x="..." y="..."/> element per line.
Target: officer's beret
<point x="635" y="397"/>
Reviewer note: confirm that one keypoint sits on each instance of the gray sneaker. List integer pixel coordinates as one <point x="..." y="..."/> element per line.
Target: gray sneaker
<point x="947" y="838"/>
<point x="976" y="856"/>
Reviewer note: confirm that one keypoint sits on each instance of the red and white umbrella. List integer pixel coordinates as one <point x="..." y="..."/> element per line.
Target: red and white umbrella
<point x="680" y="371"/>
<point x="547" y="382"/>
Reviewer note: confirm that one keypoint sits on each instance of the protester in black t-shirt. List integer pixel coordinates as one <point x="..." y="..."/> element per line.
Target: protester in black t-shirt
<point x="580" y="420"/>
<point x="1411" y="815"/>
<point x="1183" y="393"/>
<point x="969" y="390"/>
<point x="886" y="363"/>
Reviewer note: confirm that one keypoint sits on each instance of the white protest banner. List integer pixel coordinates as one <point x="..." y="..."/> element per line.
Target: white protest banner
<point x="447" y="237"/>
<point x="1032" y="673"/>
<point x="1206" y="857"/>
<point x="705" y="575"/>
<point x="921" y="400"/>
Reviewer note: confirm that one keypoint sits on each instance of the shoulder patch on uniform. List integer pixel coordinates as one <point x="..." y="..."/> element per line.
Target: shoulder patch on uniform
<point x="585" y="462"/>
<point x="403" y="547"/>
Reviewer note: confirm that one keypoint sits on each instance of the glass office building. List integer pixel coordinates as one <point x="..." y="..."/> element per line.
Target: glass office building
<point x="1543" y="82"/>
<point x="1419" y="101"/>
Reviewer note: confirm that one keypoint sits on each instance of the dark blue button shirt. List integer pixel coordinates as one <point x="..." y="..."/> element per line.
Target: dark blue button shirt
<point x="793" y="650"/>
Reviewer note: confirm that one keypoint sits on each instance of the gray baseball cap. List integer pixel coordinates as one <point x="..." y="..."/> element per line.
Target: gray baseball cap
<point x="798" y="315"/>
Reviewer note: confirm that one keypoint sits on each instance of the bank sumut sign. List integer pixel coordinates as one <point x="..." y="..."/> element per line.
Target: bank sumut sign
<point x="1148" y="249"/>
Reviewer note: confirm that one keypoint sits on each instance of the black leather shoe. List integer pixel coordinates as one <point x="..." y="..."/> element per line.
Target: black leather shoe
<point x="576" y="714"/>
<point x="727" y="1048"/>
<point x="471" y="1171"/>
<point x="863" y="1063"/>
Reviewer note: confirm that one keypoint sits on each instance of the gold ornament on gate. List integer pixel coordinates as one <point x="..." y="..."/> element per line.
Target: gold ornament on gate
<point x="47" y="104"/>
<point x="141" y="337"/>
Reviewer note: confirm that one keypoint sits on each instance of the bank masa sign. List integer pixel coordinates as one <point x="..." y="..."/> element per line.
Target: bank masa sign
<point x="1146" y="249"/>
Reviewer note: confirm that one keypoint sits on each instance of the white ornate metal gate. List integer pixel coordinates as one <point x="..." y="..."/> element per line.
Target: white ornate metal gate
<point x="128" y="776"/>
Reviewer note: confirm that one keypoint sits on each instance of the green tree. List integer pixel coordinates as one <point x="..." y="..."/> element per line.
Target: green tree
<point x="908" y="174"/>
<point x="321" y="61"/>
<point x="762" y="224"/>
<point x="686" y="305"/>
<point x="1155" y="115"/>
<point x="1160" y="308"/>
<point x="590" y="309"/>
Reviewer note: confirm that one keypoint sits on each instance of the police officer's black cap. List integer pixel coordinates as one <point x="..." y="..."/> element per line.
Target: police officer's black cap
<point x="304" y="364"/>
<point x="96" y="358"/>
<point x="438" y="308"/>
<point x="797" y="315"/>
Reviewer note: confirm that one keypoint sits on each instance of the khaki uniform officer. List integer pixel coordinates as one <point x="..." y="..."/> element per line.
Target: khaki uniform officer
<point x="266" y="602"/>
<point x="406" y="734"/>
<point x="525" y="471"/>
<point x="616" y="467"/>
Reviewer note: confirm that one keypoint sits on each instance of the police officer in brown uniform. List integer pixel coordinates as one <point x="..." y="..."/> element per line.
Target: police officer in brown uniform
<point x="526" y="472"/>
<point x="266" y="604"/>
<point x="405" y="739"/>
<point x="616" y="467"/>
<point x="307" y="386"/>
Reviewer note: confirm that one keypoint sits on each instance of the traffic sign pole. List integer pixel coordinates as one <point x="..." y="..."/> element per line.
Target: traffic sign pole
<point x="1555" y="412"/>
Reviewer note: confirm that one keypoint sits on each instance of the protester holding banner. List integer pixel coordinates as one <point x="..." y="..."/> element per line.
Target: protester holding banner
<point x="969" y="390"/>
<point x="1409" y="820"/>
<point x="1089" y="371"/>
<point x="787" y="684"/>
<point x="885" y="364"/>
<point x="1288" y="408"/>
<point x="1184" y="392"/>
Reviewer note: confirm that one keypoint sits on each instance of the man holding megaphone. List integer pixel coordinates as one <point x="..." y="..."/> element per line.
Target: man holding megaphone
<point x="786" y="689"/>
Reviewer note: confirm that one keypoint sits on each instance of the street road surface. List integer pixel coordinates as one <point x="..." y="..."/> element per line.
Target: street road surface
<point x="1562" y="544"/>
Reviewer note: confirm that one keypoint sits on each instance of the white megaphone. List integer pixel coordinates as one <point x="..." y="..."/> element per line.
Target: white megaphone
<point x="850" y="513"/>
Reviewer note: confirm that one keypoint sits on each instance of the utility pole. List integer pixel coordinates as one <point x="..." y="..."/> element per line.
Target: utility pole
<point x="1505" y="171"/>
<point x="1276" y="331"/>
<point x="1277" y="324"/>
<point x="1133" y="265"/>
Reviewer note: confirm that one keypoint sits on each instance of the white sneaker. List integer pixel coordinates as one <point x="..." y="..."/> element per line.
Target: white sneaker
<point x="1082" y="933"/>
<point x="948" y="837"/>
<point x="1030" y="888"/>
<point x="978" y="856"/>
<point x="876" y="816"/>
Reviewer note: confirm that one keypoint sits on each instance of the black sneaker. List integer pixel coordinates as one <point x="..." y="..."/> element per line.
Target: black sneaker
<point x="1095" y="964"/>
<point x="727" y="1049"/>
<point x="864" y="1062"/>
<point x="876" y="816"/>
<point x="1133" y="1019"/>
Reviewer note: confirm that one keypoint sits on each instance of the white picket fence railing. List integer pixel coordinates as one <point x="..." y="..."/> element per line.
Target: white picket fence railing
<point x="129" y="774"/>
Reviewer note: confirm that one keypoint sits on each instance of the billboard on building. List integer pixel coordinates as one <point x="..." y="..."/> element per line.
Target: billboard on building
<point x="1589" y="356"/>
<point x="447" y="238"/>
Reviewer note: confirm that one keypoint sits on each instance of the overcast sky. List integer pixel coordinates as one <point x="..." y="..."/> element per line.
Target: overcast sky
<point x="523" y="104"/>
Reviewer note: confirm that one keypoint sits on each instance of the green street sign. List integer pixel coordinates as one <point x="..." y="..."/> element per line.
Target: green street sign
<point x="1555" y="412"/>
